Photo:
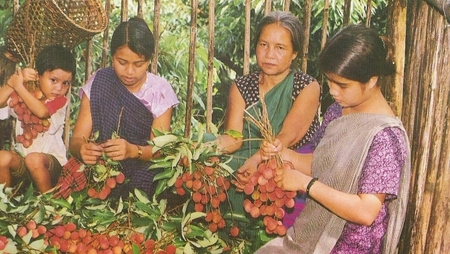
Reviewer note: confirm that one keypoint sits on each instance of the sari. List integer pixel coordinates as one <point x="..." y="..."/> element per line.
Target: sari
<point x="317" y="230"/>
<point x="278" y="103"/>
<point x="116" y="110"/>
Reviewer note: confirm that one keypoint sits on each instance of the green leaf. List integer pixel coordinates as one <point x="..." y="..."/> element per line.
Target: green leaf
<point x="188" y="219"/>
<point x="160" y="187"/>
<point x="144" y="207"/>
<point x="168" y="173"/>
<point x="38" y="245"/>
<point x="40" y="215"/>
<point x="59" y="202"/>
<point x="188" y="249"/>
<point x="141" y="196"/>
<point x="161" y="141"/>
<point x="164" y="164"/>
<point x="27" y="238"/>
<point x="142" y="221"/>
<point x="136" y="249"/>
<point x="234" y="134"/>
<point x="226" y="167"/>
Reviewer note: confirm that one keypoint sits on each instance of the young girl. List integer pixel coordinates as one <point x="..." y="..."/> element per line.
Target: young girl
<point x="40" y="151"/>
<point x="357" y="178"/>
<point x="127" y="100"/>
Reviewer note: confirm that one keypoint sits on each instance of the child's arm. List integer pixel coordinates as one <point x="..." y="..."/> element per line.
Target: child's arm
<point x="5" y="93"/>
<point x="16" y="81"/>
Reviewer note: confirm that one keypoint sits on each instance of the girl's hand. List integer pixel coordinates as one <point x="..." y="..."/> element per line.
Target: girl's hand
<point x="289" y="179"/>
<point x="90" y="153"/>
<point x="16" y="80"/>
<point x="118" y="149"/>
<point x="269" y="150"/>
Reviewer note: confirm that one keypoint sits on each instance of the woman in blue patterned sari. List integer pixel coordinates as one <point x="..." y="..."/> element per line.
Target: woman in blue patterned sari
<point x="127" y="101"/>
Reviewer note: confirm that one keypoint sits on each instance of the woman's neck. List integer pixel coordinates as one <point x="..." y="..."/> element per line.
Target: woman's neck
<point x="375" y="104"/>
<point x="270" y="81"/>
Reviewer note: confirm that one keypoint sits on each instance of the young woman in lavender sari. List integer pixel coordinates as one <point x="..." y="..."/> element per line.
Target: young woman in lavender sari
<point x="129" y="101"/>
<point x="358" y="176"/>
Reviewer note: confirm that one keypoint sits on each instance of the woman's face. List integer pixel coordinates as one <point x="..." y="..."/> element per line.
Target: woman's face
<point x="274" y="50"/>
<point x="348" y="93"/>
<point x="130" y="67"/>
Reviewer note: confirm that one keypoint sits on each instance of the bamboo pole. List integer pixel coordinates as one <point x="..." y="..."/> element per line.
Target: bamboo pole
<point x="248" y="7"/>
<point x="396" y="33"/>
<point x="306" y="27"/>
<point x="140" y="12"/>
<point x="191" y="68"/>
<point x="268" y="7"/>
<point x="105" y="44"/>
<point x="287" y="5"/>
<point x="326" y="13"/>
<point x="368" y="12"/>
<point x="124" y="10"/>
<point x="88" y="56"/>
<point x="156" y="21"/>
<point x="210" y="84"/>
<point x="16" y="6"/>
<point x="347" y="11"/>
<point x="426" y="110"/>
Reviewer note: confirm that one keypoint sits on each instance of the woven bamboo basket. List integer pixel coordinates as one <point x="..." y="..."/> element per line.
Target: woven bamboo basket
<point x="39" y="23"/>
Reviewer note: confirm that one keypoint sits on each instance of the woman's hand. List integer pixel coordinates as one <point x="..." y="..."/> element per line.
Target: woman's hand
<point x="268" y="150"/>
<point x="90" y="153"/>
<point x="244" y="173"/>
<point x="118" y="149"/>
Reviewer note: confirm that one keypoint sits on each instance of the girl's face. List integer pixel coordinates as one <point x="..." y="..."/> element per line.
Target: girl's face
<point x="349" y="93"/>
<point x="274" y="50"/>
<point x="55" y="83"/>
<point x="130" y="67"/>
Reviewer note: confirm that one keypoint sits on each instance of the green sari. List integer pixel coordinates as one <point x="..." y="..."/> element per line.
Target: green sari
<point x="278" y="103"/>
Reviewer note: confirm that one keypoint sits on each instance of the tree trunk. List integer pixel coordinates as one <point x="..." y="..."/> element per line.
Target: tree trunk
<point x="396" y="32"/>
<point x="248" y="8"/>
<point x="306" y="35"/>
<point x="426" y="117"/>
<point x="191" y="68"/>
<point x="156" y="35"/>
<point x="209" y="90"/>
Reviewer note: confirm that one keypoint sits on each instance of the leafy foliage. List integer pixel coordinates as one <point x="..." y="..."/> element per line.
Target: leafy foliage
<point x="33" y="223"/>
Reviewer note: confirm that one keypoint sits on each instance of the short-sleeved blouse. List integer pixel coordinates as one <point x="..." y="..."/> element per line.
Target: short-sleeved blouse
<point x="156" y="94"/>
<point x="248" y="86"/>
<point x="380" y="174"/>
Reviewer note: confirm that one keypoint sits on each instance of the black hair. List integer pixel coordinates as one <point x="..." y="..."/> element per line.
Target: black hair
<point x="135" y="34"/>
<point x="56" y="57"/>
<point x="357" y="53"/>
<point x="286" y="20"/>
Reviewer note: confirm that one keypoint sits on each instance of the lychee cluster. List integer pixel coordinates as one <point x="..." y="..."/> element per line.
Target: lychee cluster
<point x="68" y="238"/>
<point x="208" y="187"/>
<point x="266" y="198"/>
<point x="102" y="191"/>
<point x="30" y="123"/>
